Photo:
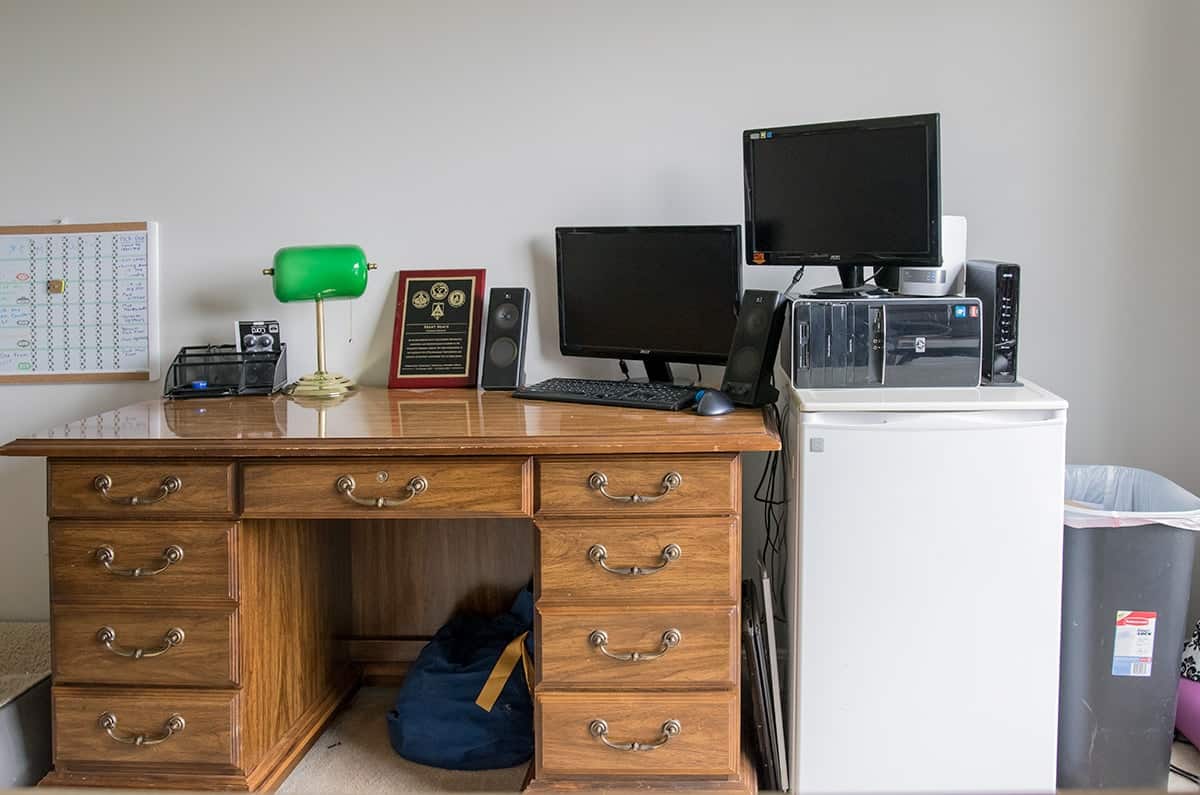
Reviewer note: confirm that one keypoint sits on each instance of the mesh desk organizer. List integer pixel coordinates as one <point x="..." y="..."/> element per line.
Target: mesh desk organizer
<point x="224" y="371"/>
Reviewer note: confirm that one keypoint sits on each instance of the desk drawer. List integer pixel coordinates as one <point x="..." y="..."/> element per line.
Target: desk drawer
<point x="409" y="487"/>
<point x="676" y="559"/>
<point x="178" y="647"/>
<point x="638" y="485"/>
<point x="675" y="647"/>
<point x="193" y="561"/>
<point x="144" y="488"/>
<point x="206" y="734"/>
<point x="706" y="745"/>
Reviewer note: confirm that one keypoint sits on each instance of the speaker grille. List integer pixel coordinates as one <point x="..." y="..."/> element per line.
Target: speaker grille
<point x="505" y="316"/>
<point x="758" y="318"/>
<point x="503" y="352"/>
<point x="744" y="364"/>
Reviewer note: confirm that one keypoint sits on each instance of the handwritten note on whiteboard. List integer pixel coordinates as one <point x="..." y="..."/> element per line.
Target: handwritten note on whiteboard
<point x="78" y="302"/>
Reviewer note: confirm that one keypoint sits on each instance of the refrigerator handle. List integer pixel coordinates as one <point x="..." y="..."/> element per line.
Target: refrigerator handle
<point x="937" y="420"/>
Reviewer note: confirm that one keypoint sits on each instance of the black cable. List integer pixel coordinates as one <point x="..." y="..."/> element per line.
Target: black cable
<point x="781" y="519"/>
<point x="796" y="277"/>
<point x="771" y="492"/>
<point x="624" y="368"/>
<point x="1189" y="775"/>
<point x="699" y="377"/>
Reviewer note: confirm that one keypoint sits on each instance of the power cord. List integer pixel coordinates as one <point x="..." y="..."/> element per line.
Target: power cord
<point x="1189" y="775"/>
<point x="772" y="493"/>
<point x="624" y="368"/>
<point x="1179" y="771"/>
<point x="796" y="277"/>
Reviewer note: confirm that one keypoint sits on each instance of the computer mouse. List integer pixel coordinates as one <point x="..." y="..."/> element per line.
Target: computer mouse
<point x="712" y="403"/>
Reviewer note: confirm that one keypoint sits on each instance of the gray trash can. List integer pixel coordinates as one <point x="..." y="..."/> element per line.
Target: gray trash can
<point x="1129" y="538"/>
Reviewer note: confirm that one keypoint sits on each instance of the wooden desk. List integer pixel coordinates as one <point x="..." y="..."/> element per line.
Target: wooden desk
<point x="223" y="572"/>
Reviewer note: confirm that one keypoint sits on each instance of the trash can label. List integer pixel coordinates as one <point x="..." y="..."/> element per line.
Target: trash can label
<point x="1133" y="649"/>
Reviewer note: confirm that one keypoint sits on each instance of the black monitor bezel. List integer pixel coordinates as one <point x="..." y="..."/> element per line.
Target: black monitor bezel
<point x="603" y="352"/>
<point x="931" y="122"/>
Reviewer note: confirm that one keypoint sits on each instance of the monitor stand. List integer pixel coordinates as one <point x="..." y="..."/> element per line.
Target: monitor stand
<point x="852" y="285"/>
<point x="658" y="370"/>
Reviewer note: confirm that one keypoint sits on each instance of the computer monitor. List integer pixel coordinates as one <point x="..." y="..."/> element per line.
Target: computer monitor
<point x="660" y="294"/>
<point x="851" y="194"/>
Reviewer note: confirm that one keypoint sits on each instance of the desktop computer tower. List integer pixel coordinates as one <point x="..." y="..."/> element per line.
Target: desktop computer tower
<point x="852" y="343"/>
<point x="997" y="285"/>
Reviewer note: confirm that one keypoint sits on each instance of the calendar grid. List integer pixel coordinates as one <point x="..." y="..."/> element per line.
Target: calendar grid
<point x="76" y="304"/>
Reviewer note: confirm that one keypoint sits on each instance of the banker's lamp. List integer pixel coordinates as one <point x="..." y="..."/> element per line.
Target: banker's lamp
<point x="316" y="273"/>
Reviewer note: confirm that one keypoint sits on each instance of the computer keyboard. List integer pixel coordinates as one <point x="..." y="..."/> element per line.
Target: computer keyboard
<point x="667" y="397"/>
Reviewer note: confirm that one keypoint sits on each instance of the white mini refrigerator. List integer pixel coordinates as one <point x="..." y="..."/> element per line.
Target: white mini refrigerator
<point x="924" y="589"/>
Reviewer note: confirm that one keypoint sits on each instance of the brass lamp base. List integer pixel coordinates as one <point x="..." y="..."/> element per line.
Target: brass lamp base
<point x="321" y="385"/>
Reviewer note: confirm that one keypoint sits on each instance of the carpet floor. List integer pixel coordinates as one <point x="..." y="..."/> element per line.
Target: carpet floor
<point x="24" y="657"/>
<point x="353" y="755"/>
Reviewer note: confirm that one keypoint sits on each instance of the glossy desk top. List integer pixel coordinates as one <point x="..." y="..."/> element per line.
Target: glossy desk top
<point x="376" y="421"/>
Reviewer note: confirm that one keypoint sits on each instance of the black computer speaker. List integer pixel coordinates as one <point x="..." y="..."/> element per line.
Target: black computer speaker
<point x="504" y="352"/>
<point x="751" y="365"/>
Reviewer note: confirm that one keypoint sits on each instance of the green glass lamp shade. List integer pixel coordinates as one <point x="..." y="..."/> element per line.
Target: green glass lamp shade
<point x="306" y="273"/>
<point x="315" y="273"/>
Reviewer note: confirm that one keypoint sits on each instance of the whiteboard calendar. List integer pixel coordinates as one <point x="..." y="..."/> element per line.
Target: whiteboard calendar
<point x="79" y="302"/>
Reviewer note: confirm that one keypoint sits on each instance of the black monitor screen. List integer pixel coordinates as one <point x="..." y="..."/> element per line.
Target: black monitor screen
<point x="862" y="191"/>
<point x="634" y="292"/>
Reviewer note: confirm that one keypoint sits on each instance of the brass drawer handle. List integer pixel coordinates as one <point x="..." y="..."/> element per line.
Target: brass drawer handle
<point x="108" y="636"/>
<point x="170" y="484"/>
<point x="105" y="555"/>
<point x="670" y="639"/>
<point x="172" y="726"/>
<point x="599" y="729"/>
<point x="598" y="481"/>
<point x="415" y="486"/>
<point x="599" y="555"/>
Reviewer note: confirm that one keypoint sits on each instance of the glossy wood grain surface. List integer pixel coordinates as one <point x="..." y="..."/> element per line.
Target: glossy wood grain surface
<point x="707" y="744"/>
<point x="708" y="567"/>
<point x="207" y="488"/>
<point x="283" y="578"/>
<point x="295" y="579"/>
<point x="206" y="657"/>
<point x="207" y="571"/>
<point x="706" y="485"/>
<point x="377" y="421"/>
<point x="209" y="738"/>
<point x="705" y="656"/>
<point x="411" y="576"/>
<point x="455" y="487"/>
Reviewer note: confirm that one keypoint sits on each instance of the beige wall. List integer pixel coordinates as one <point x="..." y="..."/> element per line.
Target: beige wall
<point x="460" y="134"/>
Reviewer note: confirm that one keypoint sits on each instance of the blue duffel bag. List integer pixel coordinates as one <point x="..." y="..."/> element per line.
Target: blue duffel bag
<point x="462" y="706"/>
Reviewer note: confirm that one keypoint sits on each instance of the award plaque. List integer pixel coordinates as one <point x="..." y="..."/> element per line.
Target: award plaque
<point x="436" y="339"/>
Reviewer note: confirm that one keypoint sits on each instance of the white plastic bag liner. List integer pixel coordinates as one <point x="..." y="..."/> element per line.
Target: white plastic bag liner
<point x="1111" y="496"/>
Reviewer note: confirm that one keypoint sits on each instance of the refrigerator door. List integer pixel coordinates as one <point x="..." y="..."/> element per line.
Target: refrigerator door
<point x="924" y="596"/>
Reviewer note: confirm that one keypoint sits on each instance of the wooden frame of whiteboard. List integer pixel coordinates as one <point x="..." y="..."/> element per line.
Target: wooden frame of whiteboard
<point x="151" y="230"/>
